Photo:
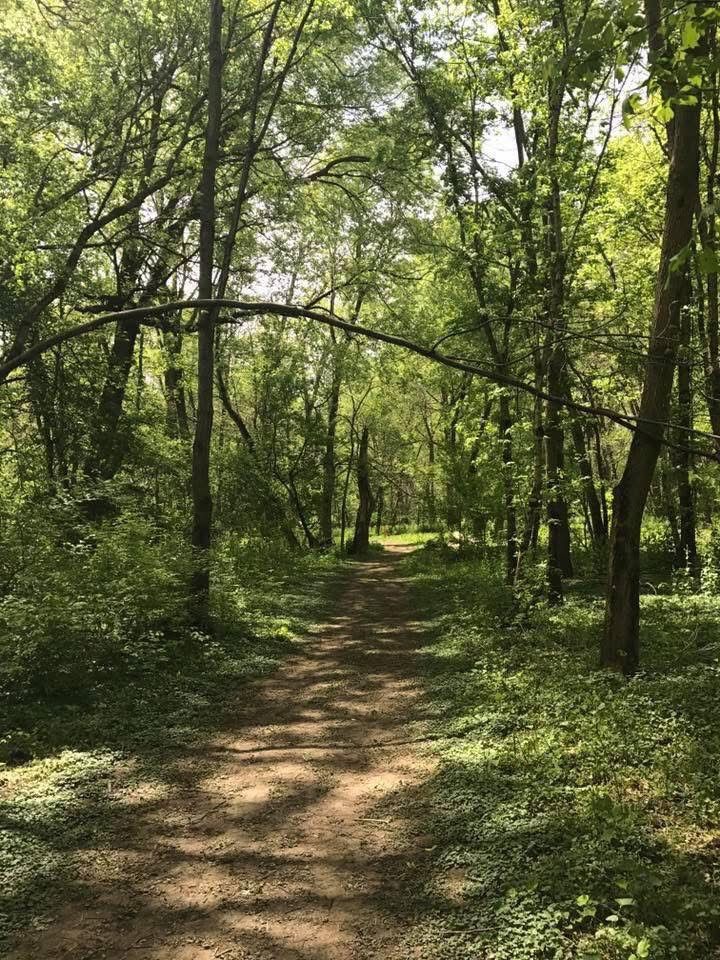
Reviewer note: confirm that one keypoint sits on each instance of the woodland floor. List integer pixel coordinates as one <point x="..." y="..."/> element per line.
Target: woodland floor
<point x="438" y="770"/>
<point x="283" y="837"/>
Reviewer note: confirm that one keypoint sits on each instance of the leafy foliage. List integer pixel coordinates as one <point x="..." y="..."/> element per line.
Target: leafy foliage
<point x="581" y="811"/>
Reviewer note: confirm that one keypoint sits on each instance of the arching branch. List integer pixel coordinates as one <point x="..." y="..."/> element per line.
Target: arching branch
<point x="243" y="309"/>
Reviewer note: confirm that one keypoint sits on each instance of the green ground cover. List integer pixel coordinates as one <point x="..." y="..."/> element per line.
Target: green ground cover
<point x="579" y="812"/>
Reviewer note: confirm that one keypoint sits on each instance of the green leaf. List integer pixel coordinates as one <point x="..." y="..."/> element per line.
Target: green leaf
<point x="707" y="260"/>
<point x="690" y="36"/>
<point x="643" y="948"/>
<point x="664" y="113"/>
<point x="630" y="107"/>
<point x="680" y="259"/>
<point x="594" y="28"/>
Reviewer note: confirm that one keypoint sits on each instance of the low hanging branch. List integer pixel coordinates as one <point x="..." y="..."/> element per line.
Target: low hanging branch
<point x="248" y="308"/>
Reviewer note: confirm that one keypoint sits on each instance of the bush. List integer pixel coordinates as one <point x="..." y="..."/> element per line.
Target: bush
<point x="86" y="601"/>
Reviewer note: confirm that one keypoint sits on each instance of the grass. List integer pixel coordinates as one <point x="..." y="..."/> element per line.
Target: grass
<point x="580" y="812"/>
<point x="170" y="693"/>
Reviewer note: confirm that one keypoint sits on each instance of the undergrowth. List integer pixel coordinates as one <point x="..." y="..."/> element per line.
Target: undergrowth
<point x="581" y="811"/>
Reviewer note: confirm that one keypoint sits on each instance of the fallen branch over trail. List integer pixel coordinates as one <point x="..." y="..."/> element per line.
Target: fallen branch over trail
<point x="244" y="309"/>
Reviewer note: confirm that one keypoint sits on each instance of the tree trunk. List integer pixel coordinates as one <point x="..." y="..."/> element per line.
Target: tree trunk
<point x="310" y="538"/>
<point x="453" y="506"/>
<point x="45" y="394"/>
<point x="532" y="520"/>
<point x="178" y="425"/>
<point x="346" y="488"/>
<point x="431" y="507"/>
<point x="109" y="445"/>
<point x="361" y="539"/>
<point x="511" y="537"/>
<point x="559" y="559"/>
<point x="201" y="493"/>
<point x="329" y="468"/>
<point x="275" y="503"/>
<point x="109" y="448"/>
<point x="707" y="229"/>
<point x="598" y="528"/>
<point x="603" y="473"/>
<point x="380" y="504"/>
<point x="621" y="641"/>
<point x="559" y="562"/>
<point x="682" y="459"/>
<point x="666" y="497"/>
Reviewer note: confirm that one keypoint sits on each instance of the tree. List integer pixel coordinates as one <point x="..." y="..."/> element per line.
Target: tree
<point x="366" y="500"/>
<point x="201" y="493"/>
<point x="621" y="642"/>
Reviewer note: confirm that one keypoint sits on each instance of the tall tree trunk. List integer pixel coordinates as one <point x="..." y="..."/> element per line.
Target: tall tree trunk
<point x="621" y="640"/>
<point x="178" y="425"/>
<point x="598" y="528"/>
<point x="109" y="448"/>
<point x="361" y="539"/>
<point x="201" y="493"/>
<point x="346" y="488"/>
<point x="534" y="510"/>
<point x="453" y="506"/>
<point x="559" y="560"/>
<point x="603" y="473"/>
<point x="682" y="459"/>
<point x="663" y="490"/>
<point x="707" y="228"/>
<point x="310" y="538"/>
<point x="431" y="507"/>
<point x="511" y="537"/>
<point x="666" y="498"/>
<point x="559" y="563"/>
<point x="327" y="495"/>
<point x="45" y="395"/>
<point x="380" y="504"/>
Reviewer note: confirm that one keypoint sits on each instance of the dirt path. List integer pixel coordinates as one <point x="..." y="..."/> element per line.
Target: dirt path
<point x="276" y="840"/>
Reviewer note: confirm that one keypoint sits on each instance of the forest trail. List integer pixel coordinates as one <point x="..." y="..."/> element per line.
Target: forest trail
<point x="279" y="839"/>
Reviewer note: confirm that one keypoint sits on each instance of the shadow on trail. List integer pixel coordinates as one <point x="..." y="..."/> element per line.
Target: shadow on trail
<point x="297" y="828"/>
<point x="73" y="800"/>
<point x="264" y="840"/>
